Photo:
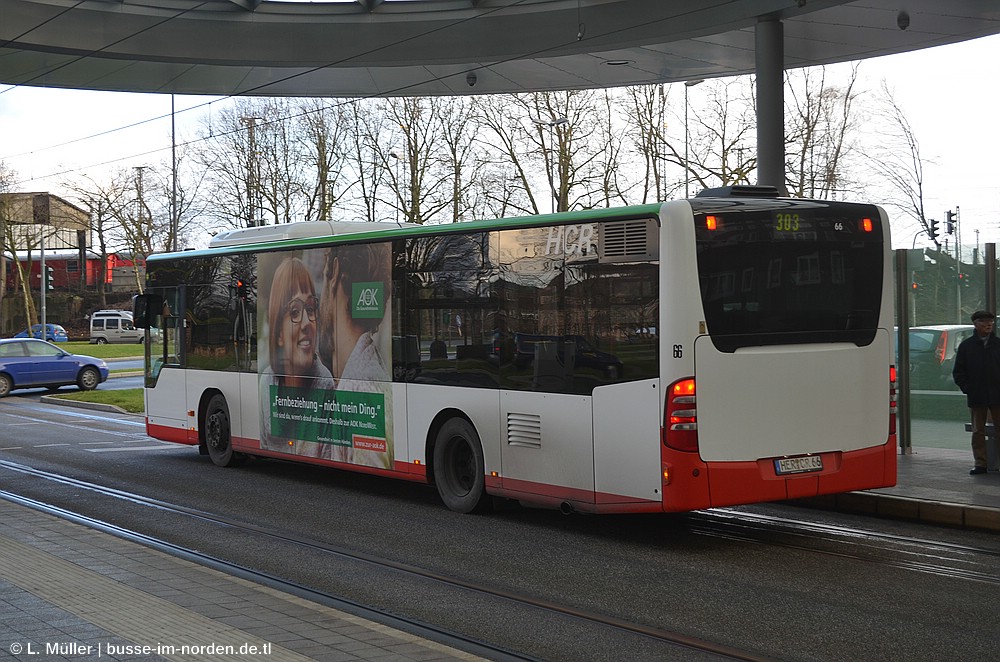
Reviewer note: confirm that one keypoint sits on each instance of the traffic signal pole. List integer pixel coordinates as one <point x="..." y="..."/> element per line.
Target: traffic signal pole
<point x="951" y="226"/>
<point x="991" y="277"/>
<point x="42" y="286"/>
<point x="902" y="340"/>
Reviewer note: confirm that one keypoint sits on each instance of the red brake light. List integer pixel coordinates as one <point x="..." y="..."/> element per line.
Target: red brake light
<point x="680" y="426"/>
<point x="711" y="222"/>
<point x="867" y="225"/>
<point x="942" y="347"/>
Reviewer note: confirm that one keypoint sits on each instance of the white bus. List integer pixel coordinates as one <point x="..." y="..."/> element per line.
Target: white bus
<point x="728" y="349"/>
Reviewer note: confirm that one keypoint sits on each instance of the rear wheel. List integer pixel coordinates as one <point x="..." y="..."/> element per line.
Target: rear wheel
<point x="5" y="385"/>
<point x="102" y="341"/>
<point x="459" y="467"/>
<point x="88" y="379"/>
<point x="218" y="439"/>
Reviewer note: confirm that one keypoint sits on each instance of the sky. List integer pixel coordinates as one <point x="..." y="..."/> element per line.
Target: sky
<point x="949" y="94"/>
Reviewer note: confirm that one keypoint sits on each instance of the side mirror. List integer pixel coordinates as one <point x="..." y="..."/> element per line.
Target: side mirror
<point x="145" y="308"/>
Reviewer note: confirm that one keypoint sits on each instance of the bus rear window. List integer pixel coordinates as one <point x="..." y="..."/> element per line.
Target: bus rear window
<point x="784" y="272"/>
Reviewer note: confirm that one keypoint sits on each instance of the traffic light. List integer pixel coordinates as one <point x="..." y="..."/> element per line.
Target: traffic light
<point x="49" y="278"/>
<point x="932" y="230"/>
<point x="949" y="222"/>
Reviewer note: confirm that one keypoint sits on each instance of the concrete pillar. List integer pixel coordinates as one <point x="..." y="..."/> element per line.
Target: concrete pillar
<point x="770" y="63"/>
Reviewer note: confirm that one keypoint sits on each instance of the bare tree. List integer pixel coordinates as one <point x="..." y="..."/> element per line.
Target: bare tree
<point x="647" y="113"/>
<point x="420" y="195"/>
<point x="463" y="162"/>
<point x="323" y="133"/>
<point x="447" y="159"/>
<point x="820" y="120"/>
<point x="239" y="149"/>
<point x="551" y="132"/>
<point x="280" y="162"/>
<point x="7" y="179"/>
<point x="370" y="150"/>
<point x="138" y="226"/>
<point x="21" y="231"/>
<point x="898" y="162"/>
<point x="13" y="237"/>
<point x="609" y="170"/>
<point x="722" y="149"/>
<point x="512" y="192"/>
<point x="107" y="201"/>
<point x="191" y="204"/>
<point x="568" y="121"/>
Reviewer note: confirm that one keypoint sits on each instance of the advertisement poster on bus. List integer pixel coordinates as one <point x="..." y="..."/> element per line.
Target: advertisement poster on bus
<point x="325" y="353"/>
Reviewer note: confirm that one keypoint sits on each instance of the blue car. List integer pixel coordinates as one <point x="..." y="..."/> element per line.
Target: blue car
<point x="53" y="333"/>
<point x="31" y="363"/>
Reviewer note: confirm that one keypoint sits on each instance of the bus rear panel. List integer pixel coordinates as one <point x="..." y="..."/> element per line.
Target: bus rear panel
<point x="787" y="392"/>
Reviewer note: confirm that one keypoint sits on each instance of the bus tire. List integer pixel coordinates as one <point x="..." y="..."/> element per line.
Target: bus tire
<point x="459" y="467"/>
<point x="218" y="436"/>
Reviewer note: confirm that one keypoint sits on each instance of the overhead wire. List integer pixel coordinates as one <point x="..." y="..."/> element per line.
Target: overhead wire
<point x="249" y="93"/>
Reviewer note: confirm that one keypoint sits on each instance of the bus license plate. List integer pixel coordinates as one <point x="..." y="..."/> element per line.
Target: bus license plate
<point x="797" y="465"/>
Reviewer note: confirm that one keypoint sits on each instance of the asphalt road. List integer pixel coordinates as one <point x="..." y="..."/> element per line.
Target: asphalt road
<point x="780" y="595"/>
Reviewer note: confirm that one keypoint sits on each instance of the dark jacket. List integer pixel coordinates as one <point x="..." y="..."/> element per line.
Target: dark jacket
<point x="977" y="370"/>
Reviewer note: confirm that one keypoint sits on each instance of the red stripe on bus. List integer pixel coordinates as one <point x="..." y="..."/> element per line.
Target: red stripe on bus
<point x="166" y="433"/>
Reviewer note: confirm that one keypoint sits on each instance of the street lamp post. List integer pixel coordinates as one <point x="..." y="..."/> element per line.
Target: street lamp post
<point x="687" y="167"/>
<point x="253" y="175"/>
<point x="550" y="167"/>
<point x="172" y="239"/>
<point x="399" y="197"/>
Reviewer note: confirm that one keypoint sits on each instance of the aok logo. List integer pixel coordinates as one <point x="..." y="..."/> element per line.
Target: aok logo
<point x="369" y="300"/>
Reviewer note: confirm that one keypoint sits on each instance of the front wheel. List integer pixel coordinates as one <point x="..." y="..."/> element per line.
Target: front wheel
<point x="88" y="379"/>
<point x="459" y="467"/>
<point x="6" y="384"/>
<point x="218" y="439"/>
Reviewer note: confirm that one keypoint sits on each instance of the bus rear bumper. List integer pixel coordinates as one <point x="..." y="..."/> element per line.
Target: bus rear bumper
<point x="695" y="485"/>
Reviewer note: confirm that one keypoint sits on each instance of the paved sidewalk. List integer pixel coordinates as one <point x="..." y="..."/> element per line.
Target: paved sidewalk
<point x="68" y="592"/>
<point x="933" y="485"/>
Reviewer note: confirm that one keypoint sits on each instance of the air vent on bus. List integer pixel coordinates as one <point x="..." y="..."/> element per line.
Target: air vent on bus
<point x="524" y="430"/>
<point x="628" y="241"/>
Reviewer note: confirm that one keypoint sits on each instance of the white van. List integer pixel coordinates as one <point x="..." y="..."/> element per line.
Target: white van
<point x="113" y="326"/>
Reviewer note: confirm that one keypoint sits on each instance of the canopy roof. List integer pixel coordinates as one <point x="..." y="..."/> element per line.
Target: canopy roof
<point x="446" y="47"/>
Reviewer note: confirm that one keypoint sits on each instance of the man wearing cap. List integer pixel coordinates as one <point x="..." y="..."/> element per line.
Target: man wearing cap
<point x="977" y="373"/>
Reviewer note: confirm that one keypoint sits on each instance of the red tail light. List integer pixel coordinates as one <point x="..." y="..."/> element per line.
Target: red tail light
<point x="680" y="424"/>
<point x="942" y="347"/>
<point x="892" y="399"/>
